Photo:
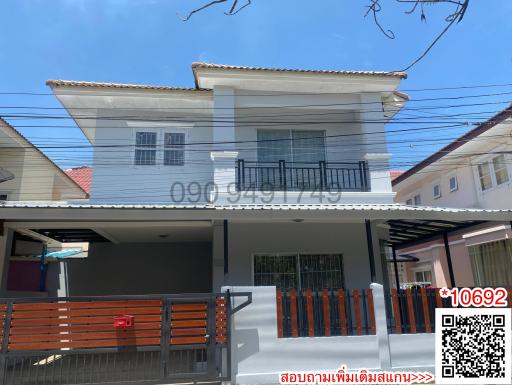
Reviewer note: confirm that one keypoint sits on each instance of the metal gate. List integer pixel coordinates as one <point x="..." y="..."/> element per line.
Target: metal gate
<point x="149" y="339"/>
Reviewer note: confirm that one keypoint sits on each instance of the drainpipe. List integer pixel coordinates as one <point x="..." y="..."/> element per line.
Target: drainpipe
<point x="371" y="256"/>
<point x="43" y="269"/>
<point x="449" y="259"/>
<point x="395" y="264"/>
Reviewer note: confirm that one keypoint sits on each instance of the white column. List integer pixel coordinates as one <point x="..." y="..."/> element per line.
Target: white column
<point x="375" y="146"/>
<point x="223" y="153"/>
<point x="381" y="326"/>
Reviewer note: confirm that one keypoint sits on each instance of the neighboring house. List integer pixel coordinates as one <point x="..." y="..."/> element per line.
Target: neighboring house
<point x="82" y="175"/>
<point x="474" y="171"/>
<point x="272" y="184"/>
<point x="35" y="176"/>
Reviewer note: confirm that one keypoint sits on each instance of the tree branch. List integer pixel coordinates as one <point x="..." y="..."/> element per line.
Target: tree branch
<point x="186" y="18"/>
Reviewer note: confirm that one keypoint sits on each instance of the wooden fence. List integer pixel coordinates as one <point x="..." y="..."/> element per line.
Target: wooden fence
<point x="411" y="311"/>
<point x="326" y="313"/>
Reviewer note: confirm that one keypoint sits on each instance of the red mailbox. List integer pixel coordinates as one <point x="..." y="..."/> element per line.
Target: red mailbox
<point x="124" y="321"/>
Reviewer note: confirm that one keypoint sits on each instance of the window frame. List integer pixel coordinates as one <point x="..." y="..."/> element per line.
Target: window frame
<point x="489" y="161"/>
<point x="450" y="177"/>
<point x="438" y="185"/>
<point x="165" y="149"/>
<point x="418" y="195"/>
<point x="135" y="147"/>
<point x="298" y="272"/>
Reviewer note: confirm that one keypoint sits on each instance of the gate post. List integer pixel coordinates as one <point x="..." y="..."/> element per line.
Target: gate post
<point x="5" y="342"/>
<point x="381" y="324"/>
<point x="165" y="338"/>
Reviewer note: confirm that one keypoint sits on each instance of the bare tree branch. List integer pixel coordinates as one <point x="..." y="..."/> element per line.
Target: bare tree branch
<point x="375" y="8"/>
<point x="232" y="10"/>
<point x="186" y="18"/>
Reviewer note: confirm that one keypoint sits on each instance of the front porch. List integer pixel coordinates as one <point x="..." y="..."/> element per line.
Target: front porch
<point x="314" y="257"/>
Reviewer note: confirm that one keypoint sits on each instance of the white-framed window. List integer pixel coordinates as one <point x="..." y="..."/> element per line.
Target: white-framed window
<point x="493" y="172"/>
<point x="299" y="270"/>
<point x="145" y="148"/>
<point x="174" y="149"/>
<point x="453" y="183"/>
<point x="417" y="200"/>
<point x="436" y="190"/>
<point x="409" y="202"/>
<point x="499" y="166"/>
<point x="423" y="276"/>
<point x="492" y="263"/>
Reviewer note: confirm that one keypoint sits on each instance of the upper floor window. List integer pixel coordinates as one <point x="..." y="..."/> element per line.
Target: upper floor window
<point x="4" y="196"/>
<point x="145" y="148"/>
<point x="436" y="190"/>
<point x="453" y="183"/>
<point x="493" y="172"/>
<point x="174" y="149"/>
<point x="415" y="200"/>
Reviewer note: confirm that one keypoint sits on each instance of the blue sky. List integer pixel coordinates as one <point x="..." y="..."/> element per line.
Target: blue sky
<point x="143" y="41"/>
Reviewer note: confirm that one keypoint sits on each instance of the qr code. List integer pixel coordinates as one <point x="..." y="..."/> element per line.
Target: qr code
<point x="473" y="346"/>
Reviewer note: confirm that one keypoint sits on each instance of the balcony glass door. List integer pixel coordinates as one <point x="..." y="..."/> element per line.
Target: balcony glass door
<point x="300" y="150"/>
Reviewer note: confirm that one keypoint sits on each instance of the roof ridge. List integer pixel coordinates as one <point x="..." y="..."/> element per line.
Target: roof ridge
<point x="84" y="83"/>
<point x="200" y="64"/>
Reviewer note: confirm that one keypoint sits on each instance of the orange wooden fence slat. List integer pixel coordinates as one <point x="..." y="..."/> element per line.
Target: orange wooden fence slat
<point x="342" y="312"/>
<point x="371" y="311"/>
<point x="85" y="304"/>
<point x="293" y="312"/>
<point x="92" y="336"/>
<point x="396" y="311"/>
<point x="188" y="323"/>
<point x="309" y="312"/>
<point x="189" y="315"/>
<point x="357" y="312"/>
<point x="426" y="310"/>
<point x="279" y="313"/>
<point x="410" y="311"/>
<point x="188" y="340"/>
<point x="23" y="314"/>
<point x="80" y="328"/>
<point x="188" y="332"/>
<point x="326" y="312"/>
<point x="439" y="300"/>
<point x="85" y="344"/>
<point x="78" y="320"/>
<point x="188" y="306"/>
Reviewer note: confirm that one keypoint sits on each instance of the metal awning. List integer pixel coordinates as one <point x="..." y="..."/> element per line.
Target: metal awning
<point x="72" y="235"/>
<point x="407" y="232"/>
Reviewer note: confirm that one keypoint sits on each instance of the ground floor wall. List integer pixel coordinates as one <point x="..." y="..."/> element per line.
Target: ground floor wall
<point x="140" y="268"/>
<point x="348" y="239"/>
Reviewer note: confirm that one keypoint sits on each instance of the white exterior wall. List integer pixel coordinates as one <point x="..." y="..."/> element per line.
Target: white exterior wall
<point x="117" y="179"/>
<point x="258" y="355"/>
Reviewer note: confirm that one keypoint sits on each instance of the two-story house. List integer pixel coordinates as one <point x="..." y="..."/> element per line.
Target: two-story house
<point x="235" y="230"/>
<point x="474" y="171"/>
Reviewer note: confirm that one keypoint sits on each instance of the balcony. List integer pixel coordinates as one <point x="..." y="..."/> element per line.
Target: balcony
<point x="321" y="176"/>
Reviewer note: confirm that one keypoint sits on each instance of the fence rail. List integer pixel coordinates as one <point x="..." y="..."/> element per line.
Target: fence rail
<point x="282" y="176"/>
<point x="326" y="313"/>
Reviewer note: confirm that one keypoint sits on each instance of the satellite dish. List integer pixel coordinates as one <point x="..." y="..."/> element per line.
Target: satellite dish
<point x="5" y="175"/>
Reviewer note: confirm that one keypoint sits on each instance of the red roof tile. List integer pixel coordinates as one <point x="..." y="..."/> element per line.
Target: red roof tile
<point x="395" y="173"/>
<point x="82" y="176"/>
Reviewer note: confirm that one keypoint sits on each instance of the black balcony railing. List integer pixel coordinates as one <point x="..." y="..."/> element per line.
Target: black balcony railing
<point x="283" y="176"/>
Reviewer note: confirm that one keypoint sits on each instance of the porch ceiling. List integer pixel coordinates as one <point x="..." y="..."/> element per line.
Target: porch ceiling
<point x="403" y="233"/>
<point x="72" y="235"/>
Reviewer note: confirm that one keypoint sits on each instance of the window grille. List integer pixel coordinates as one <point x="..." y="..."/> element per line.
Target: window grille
<point x="145" y="148"/>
